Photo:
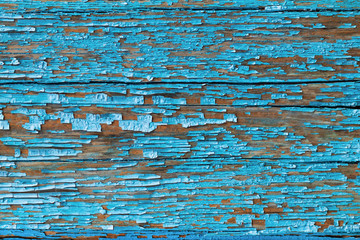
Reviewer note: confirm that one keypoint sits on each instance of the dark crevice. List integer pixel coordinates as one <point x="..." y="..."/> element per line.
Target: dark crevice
<point x="303" y="106"/>
<point x="195" y="160"/>
<point x="198" y="234"/>
<point x="339" y="107"/>
<point x="267" y="9"/>
<point x="178" y="82"/>
<point x="65" y="104"/>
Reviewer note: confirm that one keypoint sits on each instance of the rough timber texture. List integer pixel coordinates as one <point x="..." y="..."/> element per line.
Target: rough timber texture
<point x="244" y="196"/>
<point x="179" y="119"/>
<point x="108" y="5"/>
<point x="124" y="132"/>
<point x="176" y="46"/>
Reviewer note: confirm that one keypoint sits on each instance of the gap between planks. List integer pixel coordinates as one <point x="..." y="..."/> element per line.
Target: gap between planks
<point x="16" y="82"/>
<point x="194" y="160"/>
<point x="268" y="9"/>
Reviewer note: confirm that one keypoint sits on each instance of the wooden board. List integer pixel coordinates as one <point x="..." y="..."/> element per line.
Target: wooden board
<point x="110" y="5"/>
<point x="180" y="46"/>
<point x="207" y="195"/>
<point x="113" y="122"/>
<point x="179" y="119"/>
<point x="315" y="95"/>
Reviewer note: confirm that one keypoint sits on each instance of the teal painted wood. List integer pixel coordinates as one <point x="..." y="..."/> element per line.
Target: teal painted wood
<point x="340" y="94"/>
<point x="142" y="149"/>
<point x="55" y="132"/>
<point x="180" y="46"/>
<point x="179" y="120"/>
<point x="207" y="196"/>
<point x="106" y="5"/>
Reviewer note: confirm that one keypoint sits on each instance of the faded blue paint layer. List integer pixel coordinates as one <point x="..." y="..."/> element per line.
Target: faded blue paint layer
<point x="172" y="119"/>
<point x="102" y="5"/>
<point x="211" y="197"/>
<point x="179" y="46"/>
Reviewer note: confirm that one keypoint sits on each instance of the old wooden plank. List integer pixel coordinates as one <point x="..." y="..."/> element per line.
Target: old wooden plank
<point x="106" y="5"/>
<point x="268" y="146"/>
<point x="154" y="234"/>
<point x="67" y="132"/>
<point x="339" y="94"/>
<point x="215" y="195"/>
<point x="180" y="46"/>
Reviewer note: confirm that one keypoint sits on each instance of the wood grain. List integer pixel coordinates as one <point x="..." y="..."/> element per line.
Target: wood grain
<point x="179" y="119"/>
<point x="146" y="132"/>
<point x="316" y="95"/>
<point x="180" y="46"/>
<point x="241" y="196"/>
<point x="111" y="5"/>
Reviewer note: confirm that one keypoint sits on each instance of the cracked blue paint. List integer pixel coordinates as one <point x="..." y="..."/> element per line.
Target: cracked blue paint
<point x="179" y="119"/>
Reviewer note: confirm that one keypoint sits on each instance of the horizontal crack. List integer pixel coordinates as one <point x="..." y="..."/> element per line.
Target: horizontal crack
<point x="114" y="9"/>
<point x="178" y="82"/>
<point x="294" y="160"/>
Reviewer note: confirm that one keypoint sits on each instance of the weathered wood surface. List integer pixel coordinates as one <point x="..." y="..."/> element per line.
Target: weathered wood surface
<point x="180" y="46"/>
<point x="340" y="94"/>
<point x="97" y="130"/>
<point x="179" y="119"/>
<point x="242" y="196"/>
<point x="108" y="5"/>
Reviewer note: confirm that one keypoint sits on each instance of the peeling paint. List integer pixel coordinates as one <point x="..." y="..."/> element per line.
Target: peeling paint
<point x="179" y="119"/>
